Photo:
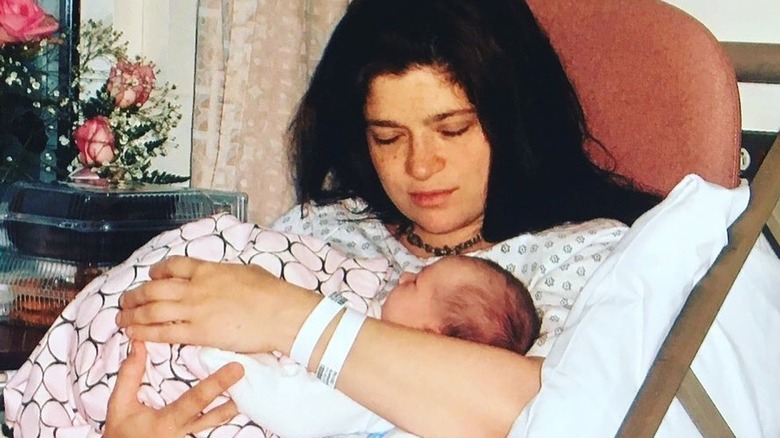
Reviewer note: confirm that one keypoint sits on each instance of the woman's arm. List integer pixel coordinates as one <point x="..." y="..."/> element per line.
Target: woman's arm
<point x="428" y="384"/>
<point x="436" y="386"/>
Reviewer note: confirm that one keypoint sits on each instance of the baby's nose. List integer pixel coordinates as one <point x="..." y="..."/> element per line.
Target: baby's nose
<point x="406" y="277"/>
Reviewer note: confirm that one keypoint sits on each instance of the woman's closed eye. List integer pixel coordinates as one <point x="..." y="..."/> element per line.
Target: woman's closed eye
<point x="385" y="139"/>
<point x="455" y="131"/>
<point x="456" y="125"/>
<point x="384" y="135"/>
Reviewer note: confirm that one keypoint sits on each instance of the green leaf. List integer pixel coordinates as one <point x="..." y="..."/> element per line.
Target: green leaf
<point x="154" y="144"/>
<point x="157" y="177"/>
<point x="101" y="104"/>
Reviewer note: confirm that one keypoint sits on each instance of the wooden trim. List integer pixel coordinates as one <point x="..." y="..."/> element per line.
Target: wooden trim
<point x="755" y="62"/>
<point x="756" y="144"/>
<point x="700" y="407"/>
<point x="698" y="313"/>
<point x="772" y="230"/>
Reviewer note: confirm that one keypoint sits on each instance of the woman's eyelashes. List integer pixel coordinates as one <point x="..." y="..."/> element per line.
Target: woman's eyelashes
<point x="455" y="132"/>
<point x="386" y="139"/>
<point x="380" y="138"/>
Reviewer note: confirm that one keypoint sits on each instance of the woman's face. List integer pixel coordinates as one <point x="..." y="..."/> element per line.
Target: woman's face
<point x="429" y="151"/>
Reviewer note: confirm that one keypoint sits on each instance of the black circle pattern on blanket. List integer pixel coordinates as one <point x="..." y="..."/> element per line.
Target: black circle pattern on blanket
<point x="63" y="388"/>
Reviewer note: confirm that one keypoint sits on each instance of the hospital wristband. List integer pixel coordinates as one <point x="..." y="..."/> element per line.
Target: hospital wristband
<point x="312" y="328"/>
<point x="339" y="346"/>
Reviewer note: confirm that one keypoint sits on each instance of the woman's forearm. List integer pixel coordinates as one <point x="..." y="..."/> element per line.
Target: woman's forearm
<point x="433" y="385"/>
<point x="429" y="384"/>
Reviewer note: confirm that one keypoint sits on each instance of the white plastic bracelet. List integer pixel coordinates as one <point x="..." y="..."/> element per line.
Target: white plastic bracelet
<point x="338" y="347"/>
<point x="312" y="328"/>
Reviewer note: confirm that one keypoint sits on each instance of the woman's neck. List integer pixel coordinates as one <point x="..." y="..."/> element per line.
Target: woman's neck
<point x="424" y="244"/>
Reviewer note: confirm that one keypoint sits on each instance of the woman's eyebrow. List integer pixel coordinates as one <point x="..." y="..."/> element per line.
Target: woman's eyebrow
<point x="428" y="120"/>
<point x="439" y="117"/>
<point x="383" y="123"/>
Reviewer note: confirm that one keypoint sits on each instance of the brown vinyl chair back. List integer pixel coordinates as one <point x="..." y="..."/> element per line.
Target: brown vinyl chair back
<point x="656" y="86"/>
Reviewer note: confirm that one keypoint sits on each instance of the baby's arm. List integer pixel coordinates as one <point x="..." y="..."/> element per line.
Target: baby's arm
<point x="288" y="400"/>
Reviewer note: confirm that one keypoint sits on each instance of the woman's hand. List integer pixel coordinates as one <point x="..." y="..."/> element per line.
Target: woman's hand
<point x="127" y="417"/>
<point x="229" y="306"/>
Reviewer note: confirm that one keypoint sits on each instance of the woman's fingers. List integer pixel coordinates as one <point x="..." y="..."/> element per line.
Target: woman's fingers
<point x="219" y="415"/>
<point x="189" y="407"/>
<point x="164" y="312"/>
<point x="127" y="417"/>
<point x="175" y="267"/>
<point x="153" y="291"/>
<point x="129" y="378"/>
<point x="173" y="333"/>
<point x="212" y="304"/>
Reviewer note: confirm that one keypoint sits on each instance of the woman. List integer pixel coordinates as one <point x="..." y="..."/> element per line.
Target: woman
<point x="430" y="127"/>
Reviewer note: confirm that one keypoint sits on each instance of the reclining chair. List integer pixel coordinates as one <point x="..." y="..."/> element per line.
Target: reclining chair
<point x="660" y="93"/>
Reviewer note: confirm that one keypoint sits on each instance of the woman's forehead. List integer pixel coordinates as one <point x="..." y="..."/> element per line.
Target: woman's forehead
<point x="423" y="90"/>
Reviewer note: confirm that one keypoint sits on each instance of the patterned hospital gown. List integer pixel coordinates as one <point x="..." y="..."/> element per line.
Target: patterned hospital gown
<point x="554" y="264"/>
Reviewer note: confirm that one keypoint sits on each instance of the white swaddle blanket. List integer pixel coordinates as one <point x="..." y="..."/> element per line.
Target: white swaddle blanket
<point x="284" y="397"/>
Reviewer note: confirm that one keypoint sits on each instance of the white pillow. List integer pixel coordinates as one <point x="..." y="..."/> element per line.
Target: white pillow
<point x="623" y="314"/>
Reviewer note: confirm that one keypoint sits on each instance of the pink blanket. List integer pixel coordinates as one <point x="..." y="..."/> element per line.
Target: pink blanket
<point x="63" y="388"/>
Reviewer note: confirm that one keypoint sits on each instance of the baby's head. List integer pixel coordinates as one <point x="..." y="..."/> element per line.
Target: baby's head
<point x="467" y="298"/>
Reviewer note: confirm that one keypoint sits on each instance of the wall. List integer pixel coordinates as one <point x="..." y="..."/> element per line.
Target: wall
<point x="756" y="21"/>
<point x="745" y="21"/>
<point x="164" y="32"/>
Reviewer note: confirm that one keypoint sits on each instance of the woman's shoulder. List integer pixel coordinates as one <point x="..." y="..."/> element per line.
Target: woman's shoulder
<point x="303" y="218"/>
<point x="555" y="264"/>
<point x="567" y="238"/>
<point x="589" y="230"/>
<point x="345" y="225"/>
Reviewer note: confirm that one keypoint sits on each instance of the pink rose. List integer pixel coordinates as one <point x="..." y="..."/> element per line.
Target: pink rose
<point x="131" y="83"/>
<point x="23" y="20"/>
<point x="95" y="141"/>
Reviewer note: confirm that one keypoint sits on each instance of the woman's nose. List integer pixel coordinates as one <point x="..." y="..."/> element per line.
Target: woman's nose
<point x="423" y="160"/>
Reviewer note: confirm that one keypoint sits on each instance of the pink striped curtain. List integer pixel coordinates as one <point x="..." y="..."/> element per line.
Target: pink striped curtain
<point x="254" y="59"/>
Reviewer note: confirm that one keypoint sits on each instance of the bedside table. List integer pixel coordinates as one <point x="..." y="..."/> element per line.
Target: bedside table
<point x="16" y="344"/>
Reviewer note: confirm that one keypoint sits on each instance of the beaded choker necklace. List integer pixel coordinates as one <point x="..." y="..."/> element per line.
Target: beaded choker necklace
<point x="445" y="250"/>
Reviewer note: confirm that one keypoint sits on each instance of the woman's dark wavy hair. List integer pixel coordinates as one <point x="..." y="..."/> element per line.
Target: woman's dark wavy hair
<point x="496" y="51"/>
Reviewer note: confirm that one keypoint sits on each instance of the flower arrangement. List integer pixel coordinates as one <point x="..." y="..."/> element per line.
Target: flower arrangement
<point x="126" y="122"/>
<point x="28" y="111"/>
<point x="121" y="120"/>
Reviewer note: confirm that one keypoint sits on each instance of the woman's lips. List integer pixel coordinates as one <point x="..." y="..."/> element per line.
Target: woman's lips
<point x="430" y="199"/>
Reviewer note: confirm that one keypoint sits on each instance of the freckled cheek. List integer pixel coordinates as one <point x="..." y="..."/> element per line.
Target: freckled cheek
<point x="483" y="169"/>
<point x="389" y="167"/>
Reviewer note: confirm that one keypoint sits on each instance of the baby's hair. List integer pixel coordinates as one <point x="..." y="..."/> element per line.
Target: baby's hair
<point x="498" y="313"/>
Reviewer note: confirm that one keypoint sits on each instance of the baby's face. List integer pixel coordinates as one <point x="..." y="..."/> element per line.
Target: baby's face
<point x="413" y="302"/>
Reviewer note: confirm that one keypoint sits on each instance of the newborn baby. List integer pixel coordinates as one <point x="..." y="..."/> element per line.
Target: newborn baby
<point x="459" y="296"/>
